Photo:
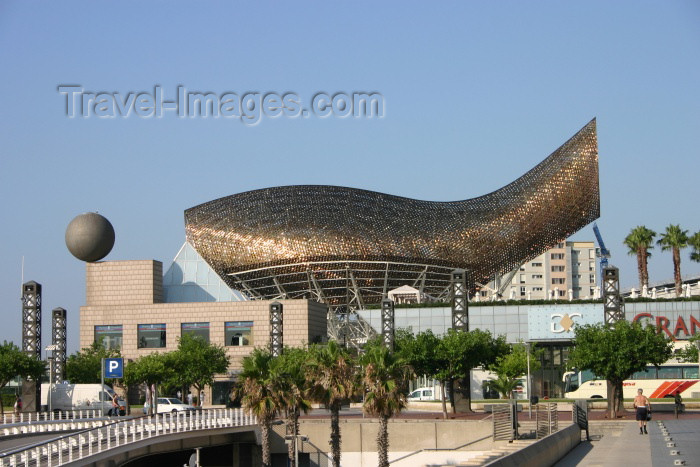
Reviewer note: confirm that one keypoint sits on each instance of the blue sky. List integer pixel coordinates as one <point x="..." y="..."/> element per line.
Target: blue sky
<point x="476" y="93"/>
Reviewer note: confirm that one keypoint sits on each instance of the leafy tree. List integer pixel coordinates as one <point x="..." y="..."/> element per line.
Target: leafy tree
<point x="14" y="362"/>
<point x="85" y="366"/>
<point x="463" y="351"/>
<point x="689" y="353"/>
<point x="422" y="353"/>
<point x="151" y="370"/>
<point x="290" y="385"/>
<point x="615" y="352"/>
<point x="694" y="241"/>
<point x="511" y="367"/>
<point x="386" y="377"/>
<point x="333" y="379"/>
<point x="675" y="239"/>
<point x="639" y="241"/>
<point x="258" y="395"/>
<point x="195" y="362"/>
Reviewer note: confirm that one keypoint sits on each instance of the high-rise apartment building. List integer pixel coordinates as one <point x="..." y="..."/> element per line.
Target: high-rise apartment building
<point x="569" y="270"/>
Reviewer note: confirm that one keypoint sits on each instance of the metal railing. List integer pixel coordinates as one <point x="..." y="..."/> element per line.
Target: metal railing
<point x="81" y="445"/>
<point x="547" y="419"/>
<point x="503" y="422"/>
<point x="40" y="422"/>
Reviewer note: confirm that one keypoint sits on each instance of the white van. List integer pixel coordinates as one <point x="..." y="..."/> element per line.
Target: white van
<point x="423" y="394"/>
<point x="65" y="397"/>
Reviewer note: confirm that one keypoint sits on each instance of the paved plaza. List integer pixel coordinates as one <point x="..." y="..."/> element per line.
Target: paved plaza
<point x="627" y="447"/>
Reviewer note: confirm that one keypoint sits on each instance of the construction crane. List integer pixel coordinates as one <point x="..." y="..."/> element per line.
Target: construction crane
<point x="603" y="253"/>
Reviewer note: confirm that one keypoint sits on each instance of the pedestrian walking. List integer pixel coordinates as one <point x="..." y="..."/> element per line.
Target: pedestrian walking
<point x="18" y="405"/>
<point x="678" y="403"/>
<point x="189" y="398"/>
<point x="643" y="408"/>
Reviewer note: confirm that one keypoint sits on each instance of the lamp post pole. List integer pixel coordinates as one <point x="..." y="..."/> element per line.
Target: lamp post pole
<point x="50" y="359"/>
<point x="529" y="395"/>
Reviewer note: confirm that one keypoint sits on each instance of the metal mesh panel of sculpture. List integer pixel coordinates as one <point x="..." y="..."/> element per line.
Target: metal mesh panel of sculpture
<point x="328" y="242"/>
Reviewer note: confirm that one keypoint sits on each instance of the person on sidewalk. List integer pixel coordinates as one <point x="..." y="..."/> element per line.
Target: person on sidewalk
<point x="643" y="408"/>
<point x="678" y="403"/>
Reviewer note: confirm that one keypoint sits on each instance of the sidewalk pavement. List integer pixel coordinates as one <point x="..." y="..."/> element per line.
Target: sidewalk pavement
<point x="624" y="447"/>
<point x="668" y="441"/>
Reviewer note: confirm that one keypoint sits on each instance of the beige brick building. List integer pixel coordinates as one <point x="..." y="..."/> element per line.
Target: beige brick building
<point x="125" y="307"/>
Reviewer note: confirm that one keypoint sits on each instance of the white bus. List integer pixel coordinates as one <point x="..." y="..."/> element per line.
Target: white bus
<point x="657" y="382"/>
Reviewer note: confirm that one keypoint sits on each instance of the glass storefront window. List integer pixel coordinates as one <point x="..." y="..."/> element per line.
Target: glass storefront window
<point x="238" y="333"/>
<point x="110" y="335"/>
<point x="690" y="372"/>
<point x="151" y="336"/>
<point x="196" y="329"/>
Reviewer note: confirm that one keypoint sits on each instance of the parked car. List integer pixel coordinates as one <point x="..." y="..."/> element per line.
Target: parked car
<point x="170" y="404"/>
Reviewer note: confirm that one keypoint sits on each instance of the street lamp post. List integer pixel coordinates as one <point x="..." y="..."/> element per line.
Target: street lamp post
<point x="295" y="439"/>
<point x="529" y="394"/>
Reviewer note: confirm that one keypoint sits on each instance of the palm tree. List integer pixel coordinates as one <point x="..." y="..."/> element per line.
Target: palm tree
<point x="675" y="239"/>
<point x="386" y="382"/>
<point x="694" y="241"/>
<point x="333" y="379"/>
<point x="504" y="385"/>
<point x="639" y="241"/>
<point x="258" y="394"/>
<point x="291" y="389"/>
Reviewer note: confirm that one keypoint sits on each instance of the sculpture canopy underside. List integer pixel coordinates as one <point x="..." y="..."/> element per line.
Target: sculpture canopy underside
<point x="337" y="244"/>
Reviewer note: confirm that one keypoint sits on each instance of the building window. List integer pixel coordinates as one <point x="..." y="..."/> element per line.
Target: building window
<point x="151" y="336"/>
<point x="557" y="256"/>
<point x="591" y="278"/>
<point x="196" y="329"/>
<point x="577" y="276"/>
<point x="557" y="268"/>
<point x="537" y="276"/>
<point x="592" y="292"/>
<point x="562" y="293"/>
<point x="577" y="289"/>
<point x="522" y="278"/>
<point x="591" y="266"/>
<point x="484" y="293"/>
<point x="238" y="333"/>
<point x="109" y="335"/>
<point x="591" y="254"/>
<point x="558" y="280"/>
<point x="536" y="265"/>
<point x="537" y="289"/>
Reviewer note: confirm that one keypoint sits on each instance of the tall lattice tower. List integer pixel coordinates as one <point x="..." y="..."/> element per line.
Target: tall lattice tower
<point x="31" y="340"/>
<point x="58" y="339"/>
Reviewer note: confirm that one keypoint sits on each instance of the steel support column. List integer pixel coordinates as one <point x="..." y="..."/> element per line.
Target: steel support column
<point x="459" y="300"/>
<point x="276" y="332"/>
<point x="613" y="306"/>
<point x="388" y="323"/>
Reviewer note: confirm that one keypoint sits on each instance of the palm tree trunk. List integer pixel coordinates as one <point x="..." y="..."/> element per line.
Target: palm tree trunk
<point x="265" y="434"/>
<point x="292" y="429"/>
<point x="641" y="257"/>
<point x="645" y="269"/>
<point x="335" y="433"/>
<point x="677" y="269"/>
<point x="383" y="442"/>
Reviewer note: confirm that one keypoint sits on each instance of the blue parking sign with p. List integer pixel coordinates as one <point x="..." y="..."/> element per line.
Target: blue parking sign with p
<point x="114" y="367"/>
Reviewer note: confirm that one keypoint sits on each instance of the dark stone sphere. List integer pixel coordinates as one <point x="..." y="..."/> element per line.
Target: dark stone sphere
<point x="90" y="237"/>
